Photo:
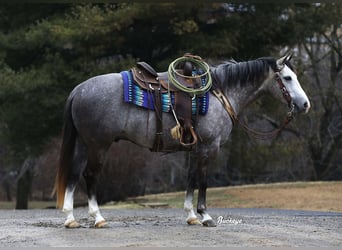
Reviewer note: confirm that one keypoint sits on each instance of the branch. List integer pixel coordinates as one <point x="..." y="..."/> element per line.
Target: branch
<point x="337" y="47"/>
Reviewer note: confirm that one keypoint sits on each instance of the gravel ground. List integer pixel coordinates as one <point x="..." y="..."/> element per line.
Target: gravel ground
<point x="167" y="227"/>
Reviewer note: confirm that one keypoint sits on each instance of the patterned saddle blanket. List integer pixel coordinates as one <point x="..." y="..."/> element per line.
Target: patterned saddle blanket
<point x="134" y="94"/>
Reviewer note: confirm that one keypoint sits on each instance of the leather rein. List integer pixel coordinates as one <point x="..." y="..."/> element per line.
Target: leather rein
<point x="259" y="135"/>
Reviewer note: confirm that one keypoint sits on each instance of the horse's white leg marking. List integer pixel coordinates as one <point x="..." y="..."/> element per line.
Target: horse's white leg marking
<point x="94" y="212"/>
<point x="206" y="217"/>
<point x="68" y="208"/>
<point x="189" y="208"/>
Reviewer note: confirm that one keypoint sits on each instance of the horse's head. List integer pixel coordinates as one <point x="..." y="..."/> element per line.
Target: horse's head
<point x="289" y="86"/>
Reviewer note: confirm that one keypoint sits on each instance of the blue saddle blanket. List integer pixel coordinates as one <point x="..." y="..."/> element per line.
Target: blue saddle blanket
<point x="140" y="97"/>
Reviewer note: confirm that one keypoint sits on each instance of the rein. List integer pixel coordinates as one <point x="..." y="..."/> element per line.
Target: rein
<point x="258" y="135"/>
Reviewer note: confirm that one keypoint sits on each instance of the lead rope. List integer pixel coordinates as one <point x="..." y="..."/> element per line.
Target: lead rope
<point x="258" y="135"/>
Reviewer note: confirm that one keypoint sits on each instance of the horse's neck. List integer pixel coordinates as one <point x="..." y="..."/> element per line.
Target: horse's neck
<point x="242" y="96"/>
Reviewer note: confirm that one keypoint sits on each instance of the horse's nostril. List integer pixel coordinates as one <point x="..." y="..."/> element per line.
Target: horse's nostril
<point x="306" y="105"/>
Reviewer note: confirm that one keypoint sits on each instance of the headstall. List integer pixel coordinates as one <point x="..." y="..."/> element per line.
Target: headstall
<point x="259" y="135"/>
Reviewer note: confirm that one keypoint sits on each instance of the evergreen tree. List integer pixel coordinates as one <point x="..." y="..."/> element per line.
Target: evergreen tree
<point x="47" y="49"/>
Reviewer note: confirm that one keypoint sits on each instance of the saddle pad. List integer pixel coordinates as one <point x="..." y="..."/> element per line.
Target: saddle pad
<point x="142" y="98"/>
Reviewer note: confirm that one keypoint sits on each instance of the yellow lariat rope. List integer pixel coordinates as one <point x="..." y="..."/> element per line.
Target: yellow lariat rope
<point x="199" y="64"/>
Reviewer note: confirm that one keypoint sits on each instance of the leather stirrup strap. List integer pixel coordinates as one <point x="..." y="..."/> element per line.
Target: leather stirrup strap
<point x="158" y="141"/>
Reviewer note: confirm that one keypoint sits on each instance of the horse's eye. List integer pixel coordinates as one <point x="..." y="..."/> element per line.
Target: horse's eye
<point x="288" y="78"/>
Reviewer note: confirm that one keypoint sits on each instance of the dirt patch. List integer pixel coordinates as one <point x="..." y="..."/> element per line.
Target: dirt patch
<point x="148" y="227"/>
<point x="135" y="223"/>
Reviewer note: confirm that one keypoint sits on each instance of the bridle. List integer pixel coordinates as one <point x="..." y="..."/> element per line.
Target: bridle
<point x="259" y="135"/>
<point x="284" y="91"/>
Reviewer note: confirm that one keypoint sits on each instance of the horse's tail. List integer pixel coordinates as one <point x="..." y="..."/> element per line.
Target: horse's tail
<point x="66" y="153"/>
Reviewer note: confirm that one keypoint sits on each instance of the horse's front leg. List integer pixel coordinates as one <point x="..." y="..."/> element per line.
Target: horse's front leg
<point x="189" y="197"/>
<point x="201" y="205"/>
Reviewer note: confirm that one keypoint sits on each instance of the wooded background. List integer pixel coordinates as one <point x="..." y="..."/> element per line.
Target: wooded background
<point x="47" y="49"/>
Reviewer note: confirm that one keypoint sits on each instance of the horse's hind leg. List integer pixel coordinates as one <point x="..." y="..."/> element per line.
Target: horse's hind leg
<point x="90" y="176"/>
<point x="79" y="162"/>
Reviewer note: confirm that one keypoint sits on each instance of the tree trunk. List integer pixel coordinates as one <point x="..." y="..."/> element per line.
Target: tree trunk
<point x="24" y="183"/>
<point x="8" y="192"/>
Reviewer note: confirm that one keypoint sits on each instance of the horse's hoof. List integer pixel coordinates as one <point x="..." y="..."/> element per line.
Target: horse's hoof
<point x="101" y="224"/>
<point x="72" y="224"/>
<point x="194" y="221"/>
<point x="209" y="223"/>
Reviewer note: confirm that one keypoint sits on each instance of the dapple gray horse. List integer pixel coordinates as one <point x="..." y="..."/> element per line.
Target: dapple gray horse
<point x="96" y="116"/>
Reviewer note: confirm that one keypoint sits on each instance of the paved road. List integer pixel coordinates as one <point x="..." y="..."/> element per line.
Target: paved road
<point x="167" y="227"/>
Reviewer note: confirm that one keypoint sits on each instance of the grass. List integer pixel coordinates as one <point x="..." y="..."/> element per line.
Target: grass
<point x="319" y="196"/>
<point x="31" y="205"/>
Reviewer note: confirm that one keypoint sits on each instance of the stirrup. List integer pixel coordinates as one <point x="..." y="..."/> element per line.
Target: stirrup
<point x="194" y="136"/>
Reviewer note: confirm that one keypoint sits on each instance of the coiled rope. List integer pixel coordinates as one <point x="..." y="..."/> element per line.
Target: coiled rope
<point x="200" y="65"/>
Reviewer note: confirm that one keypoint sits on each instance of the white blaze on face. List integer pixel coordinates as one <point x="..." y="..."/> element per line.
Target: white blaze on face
<point x="290" y="81"/>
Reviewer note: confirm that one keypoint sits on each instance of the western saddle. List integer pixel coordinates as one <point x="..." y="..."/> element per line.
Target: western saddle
<point x="156" y="83"/>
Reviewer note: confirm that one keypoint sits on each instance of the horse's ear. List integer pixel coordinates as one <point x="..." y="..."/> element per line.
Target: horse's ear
<point x="281" y="61"/>
<point x="289" y="57"/>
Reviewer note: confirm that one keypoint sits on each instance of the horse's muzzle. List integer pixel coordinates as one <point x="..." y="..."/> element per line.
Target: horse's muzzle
<point x="302" y="108"/>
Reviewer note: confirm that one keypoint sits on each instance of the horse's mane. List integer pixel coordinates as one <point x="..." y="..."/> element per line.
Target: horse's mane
<point x="233" y="73"/>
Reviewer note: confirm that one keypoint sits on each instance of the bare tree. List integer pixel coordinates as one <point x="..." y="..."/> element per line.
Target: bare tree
<point x="323" y="52"/>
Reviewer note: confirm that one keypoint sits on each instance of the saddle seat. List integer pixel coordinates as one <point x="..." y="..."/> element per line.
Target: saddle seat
<point x="147" y="78"/>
